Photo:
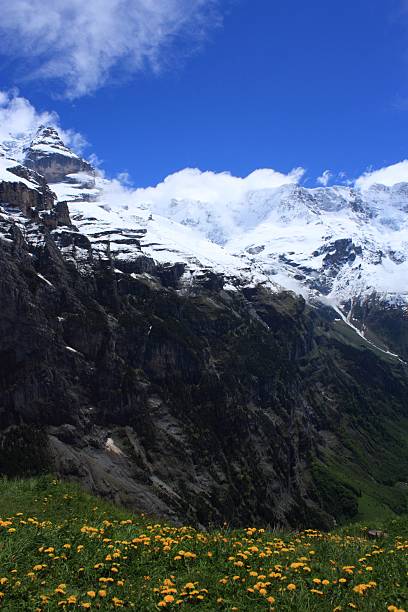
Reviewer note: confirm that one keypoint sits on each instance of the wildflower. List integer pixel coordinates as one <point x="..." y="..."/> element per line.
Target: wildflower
<point x="86" y="604"/>
<point x="118" y="603"/>
<point x="91" y="594"/>
<point x="291" y="587"/>
<point x="102" y="593"/>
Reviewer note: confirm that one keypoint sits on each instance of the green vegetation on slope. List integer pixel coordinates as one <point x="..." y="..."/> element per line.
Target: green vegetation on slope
<point x="63" y="549"/>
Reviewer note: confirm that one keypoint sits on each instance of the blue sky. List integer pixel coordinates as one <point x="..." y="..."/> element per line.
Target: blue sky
<point x="322" y="85"/>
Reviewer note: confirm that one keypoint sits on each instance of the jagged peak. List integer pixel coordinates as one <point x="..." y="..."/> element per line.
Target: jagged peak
<point x="47" y="140"/>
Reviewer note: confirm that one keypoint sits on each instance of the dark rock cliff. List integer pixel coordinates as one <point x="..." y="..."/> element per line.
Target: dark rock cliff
<point x="200" y="405"/>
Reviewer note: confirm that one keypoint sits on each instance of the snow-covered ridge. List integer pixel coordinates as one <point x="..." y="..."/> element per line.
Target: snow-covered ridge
<point x="338" y="242"/>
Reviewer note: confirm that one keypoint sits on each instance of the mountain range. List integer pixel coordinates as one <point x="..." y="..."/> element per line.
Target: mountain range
<point x="204" y="359"/>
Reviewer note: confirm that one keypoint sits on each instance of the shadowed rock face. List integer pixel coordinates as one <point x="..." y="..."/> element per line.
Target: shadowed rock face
<point x="203" y="406"/>
<point x="19" y="195"/>
<point x="37" y="204"/>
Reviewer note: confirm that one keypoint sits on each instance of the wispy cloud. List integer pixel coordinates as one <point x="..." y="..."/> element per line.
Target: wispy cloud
<point x="325" y="178"/>
<point x="80" y="44"/>
<point x="389" y="175"/>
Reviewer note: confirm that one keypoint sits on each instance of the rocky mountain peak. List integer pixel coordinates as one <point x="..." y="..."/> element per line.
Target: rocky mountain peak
<point x="48" y="135"/>
<point x="48" y="155"/>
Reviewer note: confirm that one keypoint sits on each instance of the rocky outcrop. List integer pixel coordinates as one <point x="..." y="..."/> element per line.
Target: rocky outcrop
<point x="31" y="195"/>
<point x="18" y="195"/>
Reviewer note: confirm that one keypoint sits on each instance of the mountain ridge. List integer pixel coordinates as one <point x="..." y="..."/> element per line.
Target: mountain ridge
<point x="337" y="245"/>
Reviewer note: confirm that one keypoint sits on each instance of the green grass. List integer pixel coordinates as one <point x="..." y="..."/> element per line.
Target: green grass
<point x="63" y="549"/>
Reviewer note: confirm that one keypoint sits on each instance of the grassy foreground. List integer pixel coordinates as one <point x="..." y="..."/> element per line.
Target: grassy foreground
<point x="63" y="549"/>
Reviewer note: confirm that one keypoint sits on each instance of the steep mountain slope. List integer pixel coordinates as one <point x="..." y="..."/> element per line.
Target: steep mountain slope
<point x="167" y="372"/>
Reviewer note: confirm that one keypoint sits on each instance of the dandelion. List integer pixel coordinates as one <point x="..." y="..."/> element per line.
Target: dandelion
<point x="118" y="603"/>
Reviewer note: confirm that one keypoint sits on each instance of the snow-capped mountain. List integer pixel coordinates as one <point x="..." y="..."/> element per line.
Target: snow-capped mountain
<point x="335" y="244"/>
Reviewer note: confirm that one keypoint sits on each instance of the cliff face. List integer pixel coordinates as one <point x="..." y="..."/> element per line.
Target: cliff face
<point x="27" y="191"/>
<point x="198" y="404"/>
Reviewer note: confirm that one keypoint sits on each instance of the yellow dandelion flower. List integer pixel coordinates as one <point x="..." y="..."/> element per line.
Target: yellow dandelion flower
<point x="118" y="603"/>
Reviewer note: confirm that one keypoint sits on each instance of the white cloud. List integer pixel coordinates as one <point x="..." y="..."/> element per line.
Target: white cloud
<point x="325" y="178"/>
<point x="213" y="187"/>
<point x="84" y="43"/>
<point x="20" y="120"/>
<point x="214" y="203"/>
<point x="389" y="175"/>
